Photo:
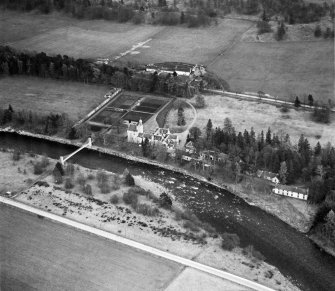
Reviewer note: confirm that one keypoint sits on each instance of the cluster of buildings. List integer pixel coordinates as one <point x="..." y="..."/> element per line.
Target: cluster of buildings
<point x="206" y="159"/>
<point x="181" y="69"/>
<point x="285" y="190"/>
<point x="161" y="136"/>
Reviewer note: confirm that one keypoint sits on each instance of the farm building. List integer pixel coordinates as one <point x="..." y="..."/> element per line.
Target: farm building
<point x="289" y="191"/>
<point x="180" y="69"/>
<point x="273" y="177"/>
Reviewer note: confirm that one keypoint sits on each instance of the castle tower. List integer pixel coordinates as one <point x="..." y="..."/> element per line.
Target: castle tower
<point x="140" y="126"/>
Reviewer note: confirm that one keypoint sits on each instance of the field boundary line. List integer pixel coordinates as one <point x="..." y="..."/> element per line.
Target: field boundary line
<point x="262" y="99"/>
<point x="137" y="245"/>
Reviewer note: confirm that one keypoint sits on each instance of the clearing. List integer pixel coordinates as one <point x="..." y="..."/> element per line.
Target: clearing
<point x="261" y="116"/>
<point x="47" y="95"/>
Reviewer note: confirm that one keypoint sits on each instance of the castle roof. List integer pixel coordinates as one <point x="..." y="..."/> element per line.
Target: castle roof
<point x="132" y="127"/>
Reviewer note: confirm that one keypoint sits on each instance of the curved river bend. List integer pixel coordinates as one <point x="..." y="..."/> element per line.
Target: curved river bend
<point x="283" y="246"/>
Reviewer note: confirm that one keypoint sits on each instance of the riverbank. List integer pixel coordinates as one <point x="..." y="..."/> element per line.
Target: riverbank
<point x="294" y="213"/>
<point x="284" y="247"/>
<point x="162" y="231"/>
<point x="322" y="244"/>
<point x="269" y="203"/>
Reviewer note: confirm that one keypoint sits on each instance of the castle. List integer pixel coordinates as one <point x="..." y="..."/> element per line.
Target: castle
<point x="161" y="136"/>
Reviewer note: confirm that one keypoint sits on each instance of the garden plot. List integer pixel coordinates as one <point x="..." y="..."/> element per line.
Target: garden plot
<point x="150" y="105"/>
<point x="136" y="116"/>
<point x="130" y="107"/>
<point x="107" y="116"/>
<point x="124" y="101"/>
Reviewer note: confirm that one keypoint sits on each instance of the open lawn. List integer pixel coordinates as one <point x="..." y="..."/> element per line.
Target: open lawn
<point x="260" y="116"/>
<point x="283" y="69"/>
<point x="46" y="95"/>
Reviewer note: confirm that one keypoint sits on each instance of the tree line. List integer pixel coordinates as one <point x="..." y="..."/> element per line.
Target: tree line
<point x="293" y="11"/>
<point x="136" y="11"/>
<point x="295" y="163"/>
<point x="13" y="62"/>
<point x="46" y="123"/>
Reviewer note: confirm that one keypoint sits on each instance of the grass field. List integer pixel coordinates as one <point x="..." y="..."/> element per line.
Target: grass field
<point x="191" y="45"/>
<point x="56" y="257"/>
<point x="98" y="38"/>
<point x="260" y="116"/>
<point x="46" y="95"/>
<point x="284" y="69"/>
<point x="59" y="34"/>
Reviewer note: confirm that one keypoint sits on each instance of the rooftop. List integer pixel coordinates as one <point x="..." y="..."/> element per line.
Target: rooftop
<point x="132" y="127"/>
<point x="292" y="188"/>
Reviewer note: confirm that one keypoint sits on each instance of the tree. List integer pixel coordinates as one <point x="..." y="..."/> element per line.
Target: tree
<point x="297" y="102"/>
<point x="317" y="149"/>
<point x="283" y="172"/>
<point x="317" y="31"/>
<point x="145" y="147"/>
<point x="281" y="30"/>
<point x="200" y="101"/>
<point x="129" y="180"/>
<point x="209" y="128"/>
<point x="263" y="27"/>
<point x="230" y="241"/>
<point x="327" y="33"/>
<point x="310" y="100"/>
<point x="165" y="201"/>
<point x="268" y="139"/>
<point x="182" y="17"/>
<point x="264" y="16"/>
<point x="181" y="117"/>
<point x="57" y="176"/>
<point x="228" y="126"/>
<point x="321" y="113"/>
<point x="195" y="133"/>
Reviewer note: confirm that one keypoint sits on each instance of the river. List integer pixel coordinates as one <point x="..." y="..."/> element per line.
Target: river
<point x="284" y="247"/>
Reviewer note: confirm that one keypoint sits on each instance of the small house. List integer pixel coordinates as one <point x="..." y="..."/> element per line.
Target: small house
<point x="273" y="177"/>
<point x="186" y="158"/>
<point x="190" y="148"/>
<point x="171" y="139"/>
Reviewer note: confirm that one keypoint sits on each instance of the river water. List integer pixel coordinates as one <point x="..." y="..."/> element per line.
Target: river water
<point x="283" y="246"/>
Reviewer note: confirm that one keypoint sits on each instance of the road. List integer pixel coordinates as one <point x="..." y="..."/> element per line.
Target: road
<point x="128" y="264"/>
<point x="262" y="98"/>
<point x="39" y="254"/>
